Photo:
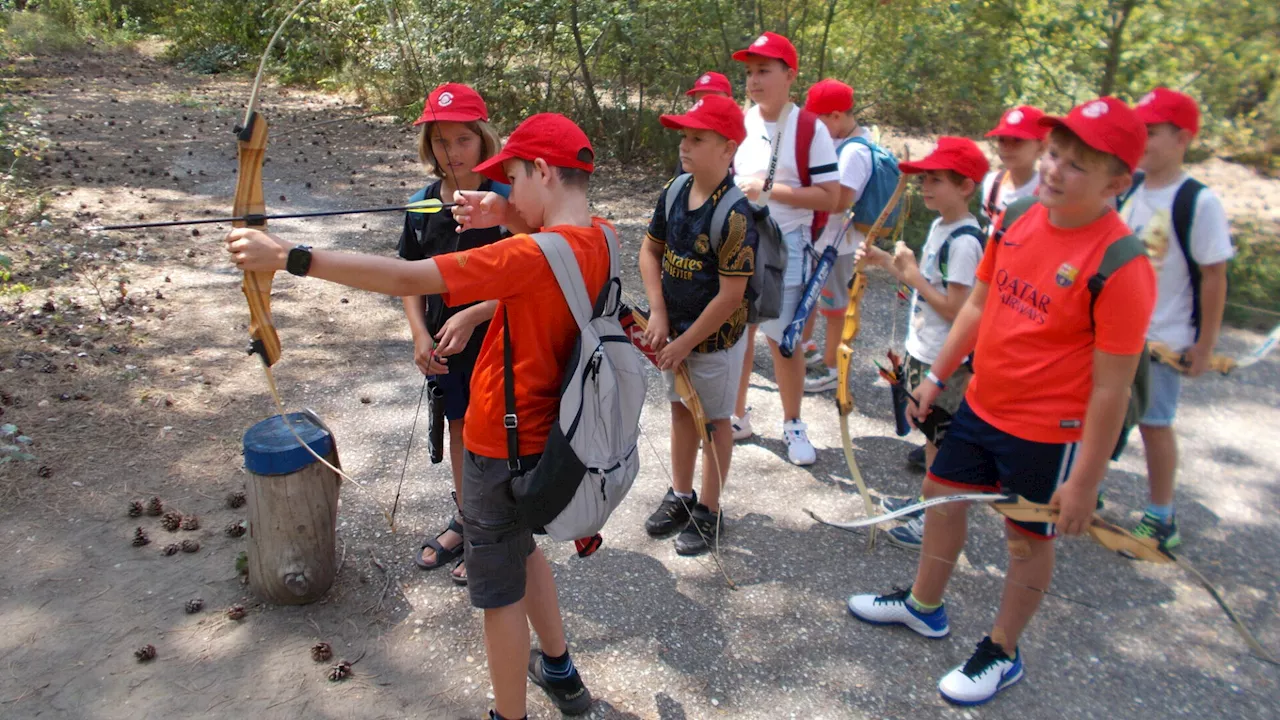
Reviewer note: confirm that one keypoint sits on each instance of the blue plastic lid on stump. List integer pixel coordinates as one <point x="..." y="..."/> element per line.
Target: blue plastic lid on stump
<point x="270" y="449"/>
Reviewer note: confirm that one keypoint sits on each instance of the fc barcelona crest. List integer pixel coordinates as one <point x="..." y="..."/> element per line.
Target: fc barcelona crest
<point x="1067" y="275"/>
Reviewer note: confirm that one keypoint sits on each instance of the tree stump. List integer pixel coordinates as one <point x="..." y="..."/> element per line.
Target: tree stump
<point x="293" y="509"/>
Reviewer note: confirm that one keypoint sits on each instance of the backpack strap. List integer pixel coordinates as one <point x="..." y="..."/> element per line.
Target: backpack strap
<point x="720" y="215"/>
<point x="775" y="148"/>
<point x="1117" y="255"/>
<point x="994" y="193"/>
<point x="1012" y="213"/>
<point x="673" y="189"/>
<point x="1184" y="215"/>
<point x="944" y="253"/>
<point x="806" y="128"/>
<point x="1139" y="177"/>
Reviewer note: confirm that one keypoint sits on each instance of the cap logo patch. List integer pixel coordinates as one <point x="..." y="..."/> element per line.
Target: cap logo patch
<point x="1147" y="99"/>
<point x="762" y="40"/>
<point x="704" y="79"/>
<point x="696" y="106"/>
<point x="1095" y="110"/>
<point x="1014" y="117"/>
<point x="445" y="99"/>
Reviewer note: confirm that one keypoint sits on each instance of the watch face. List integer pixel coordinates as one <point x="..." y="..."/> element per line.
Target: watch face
<point x="299" y="260"/>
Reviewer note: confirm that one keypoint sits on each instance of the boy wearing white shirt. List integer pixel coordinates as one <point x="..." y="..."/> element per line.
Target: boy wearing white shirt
<point x="1019" y="140"/>
<point x="1165" y="204"/>
<point x="832" y="102"/>
<point x="941" y="284"/>
<point x="771" y="70"/>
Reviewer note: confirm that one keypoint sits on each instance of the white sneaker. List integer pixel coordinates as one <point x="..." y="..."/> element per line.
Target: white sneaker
<point x="892" y="609"/>
<point x="822" y="383"/>
<point x="799" y="450"/>
<point x="986" y="673"/>
<point x="741" y="425"/>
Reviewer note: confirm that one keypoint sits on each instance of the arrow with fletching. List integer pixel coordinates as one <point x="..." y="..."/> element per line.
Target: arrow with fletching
<point x="429" y="206"/>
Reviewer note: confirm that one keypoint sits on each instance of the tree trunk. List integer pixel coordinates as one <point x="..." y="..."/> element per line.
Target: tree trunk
<point x="826" y="32"/>
<point x="588" y="85"/>
<point x="1115" y="45"/>
<point x="293" y="533"/>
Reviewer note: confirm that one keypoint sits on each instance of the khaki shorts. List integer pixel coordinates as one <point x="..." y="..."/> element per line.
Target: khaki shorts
<point x="715" y="378"/>
<point x="948" y="401"/>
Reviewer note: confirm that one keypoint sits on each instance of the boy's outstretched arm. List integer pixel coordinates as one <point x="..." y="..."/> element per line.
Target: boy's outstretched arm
<point x="961" y="340"/>
<point x="1078" y="496"/>
<point x="259" y="251"/>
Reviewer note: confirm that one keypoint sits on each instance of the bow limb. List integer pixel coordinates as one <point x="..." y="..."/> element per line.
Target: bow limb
<point x="844" y="353"/>
<point x="1223" y="364"/>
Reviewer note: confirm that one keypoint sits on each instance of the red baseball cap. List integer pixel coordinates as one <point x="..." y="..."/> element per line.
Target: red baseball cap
<point x="453" y="102"/>
<point x="828" y="96"/>
<point x="712" y="112"/>
<point x="953" y="153"/>
<point x="771" y="45"/>
<point x="1022" y="122"/>
<point x="1163" y="105"/>
<point x="1106" y="125"/>
<point x="710" y="82"/>
<point x="550" y="136"/>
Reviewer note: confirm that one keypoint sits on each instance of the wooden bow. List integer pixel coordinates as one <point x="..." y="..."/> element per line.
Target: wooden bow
<point x="1223" y="364"/>
<point x="1107" y="534"/>
<point x="849" y="333"/>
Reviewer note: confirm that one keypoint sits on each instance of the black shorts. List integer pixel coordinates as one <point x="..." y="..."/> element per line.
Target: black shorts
<point x="497" y="545"/>
<point x="456" y="386"/>
<point x="978" y="456"/>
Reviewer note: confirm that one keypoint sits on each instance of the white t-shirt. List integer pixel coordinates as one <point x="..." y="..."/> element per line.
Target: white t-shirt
<point x="854" y="166"/>
<point x="1149" y="213"/>
<point x="752" y="159"/>
<point x="928" y="329"/>
<point x="1007" y="192"/>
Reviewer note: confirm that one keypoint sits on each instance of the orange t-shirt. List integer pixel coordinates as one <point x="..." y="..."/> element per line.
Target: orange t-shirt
<point x="543" y="332"/>
<point x="1033" y="365"/>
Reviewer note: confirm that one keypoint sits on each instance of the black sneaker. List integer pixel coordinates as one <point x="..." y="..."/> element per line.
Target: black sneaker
<point x="671" y="516"/>
<point x="915" y="458"/>
<point x="570" y="695"/>
<point x="701" y="534"/>
<point x="894" y="504"/>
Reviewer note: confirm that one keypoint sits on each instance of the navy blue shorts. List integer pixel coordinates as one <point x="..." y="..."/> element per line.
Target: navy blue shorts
<point x="978" y="456"/>
<point x="456" y="386"/>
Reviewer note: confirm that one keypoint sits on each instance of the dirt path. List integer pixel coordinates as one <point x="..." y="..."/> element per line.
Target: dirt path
<point x="147" y="392"/>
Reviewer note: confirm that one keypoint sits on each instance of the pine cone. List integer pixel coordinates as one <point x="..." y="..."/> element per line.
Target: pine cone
<point x="341" y="671"/>
<point x="235" y="529"/>
<point x="235" y="500"/>
<point x="236" y="612"/>
<point x="145" y="653"/>
<point x="135" y="509"/>
<point x="171" y="549"/>
<point x="191" y="522"/>
<point x="171" y="521"/>
<point x="155" y="508"/>
<point x="321" y="652"/>
<point x="190" y="546"/>
<point x="140" y="538"/>
<point x="194" y="605"/>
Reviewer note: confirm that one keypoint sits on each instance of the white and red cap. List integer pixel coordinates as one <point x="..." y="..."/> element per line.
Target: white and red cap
<point x="828" y="96"/>
<point x="453" y="102"/>
<point x="953" y="153"/>
<point x="1107" y="125"/>
<point x="1163" y="105"/>
<point x="710" y="82"/>
<point x="1022" y="122"/>
<point x="550" y="136"/>
<point x="771" y="45"/>
<point x="712" y="112"/>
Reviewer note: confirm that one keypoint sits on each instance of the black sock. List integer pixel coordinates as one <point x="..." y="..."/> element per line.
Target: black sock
<point x="493" y="715"/>
<point x="557" y="669"/>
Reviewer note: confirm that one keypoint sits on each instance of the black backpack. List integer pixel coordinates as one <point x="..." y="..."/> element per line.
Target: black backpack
<point x="944" y="252"/>
<point x="1118" y="254"/>
<point x="1184" y="215"/>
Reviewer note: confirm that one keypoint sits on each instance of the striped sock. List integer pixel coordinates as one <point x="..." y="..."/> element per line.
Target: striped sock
<point x="557" y="668"/>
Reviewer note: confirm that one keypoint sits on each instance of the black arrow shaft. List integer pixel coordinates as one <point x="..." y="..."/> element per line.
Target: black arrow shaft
<point x="260" y="219"/>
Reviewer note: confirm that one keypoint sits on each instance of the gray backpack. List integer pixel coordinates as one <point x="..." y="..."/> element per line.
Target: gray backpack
<point x="590" y="460"/>
<point x="764" y="289"/>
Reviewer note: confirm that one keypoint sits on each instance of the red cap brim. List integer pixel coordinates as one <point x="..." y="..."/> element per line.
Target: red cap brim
<point x="492" y="168"/>
<point x="1018" y="132"/>
<point x="919" y="166"/>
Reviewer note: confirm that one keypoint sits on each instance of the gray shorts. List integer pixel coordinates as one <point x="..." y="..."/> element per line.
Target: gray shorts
<point x="835" y="294"/>
<point x="496" y="543"/>
<point x="715" y="378"/>
<point x="1165" y="385"/>
<point x="948" y="400"/>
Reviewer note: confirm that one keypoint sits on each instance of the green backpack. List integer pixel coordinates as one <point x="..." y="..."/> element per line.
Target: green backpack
<point x="1117" y="255"/>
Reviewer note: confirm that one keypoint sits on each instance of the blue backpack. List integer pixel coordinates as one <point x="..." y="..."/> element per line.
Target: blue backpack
<point x="880" y="186"/>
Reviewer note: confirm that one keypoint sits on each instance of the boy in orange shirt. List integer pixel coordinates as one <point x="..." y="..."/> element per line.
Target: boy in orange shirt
<point x="1052" y="373"/>
<point x="547" y="162"/>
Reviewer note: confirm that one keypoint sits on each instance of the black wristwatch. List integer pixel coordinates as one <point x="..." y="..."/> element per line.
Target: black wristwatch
<point x="299" y="261"/>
